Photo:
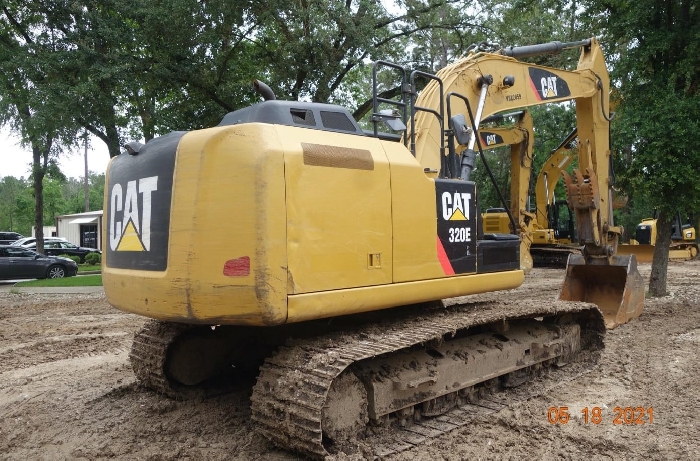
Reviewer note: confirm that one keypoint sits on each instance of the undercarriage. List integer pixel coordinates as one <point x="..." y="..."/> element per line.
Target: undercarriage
<point x="329" y="386"/>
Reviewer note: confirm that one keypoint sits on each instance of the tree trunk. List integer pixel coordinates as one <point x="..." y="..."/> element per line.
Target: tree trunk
<point x="659" y="265"/>
<point x="112" y="140"/>
<point x="38" y="172"/>
<point x="86" y="184"/>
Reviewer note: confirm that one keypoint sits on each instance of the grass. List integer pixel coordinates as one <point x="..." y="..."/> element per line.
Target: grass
<point x="85" y="268"/>
<point x="82" y="281"/>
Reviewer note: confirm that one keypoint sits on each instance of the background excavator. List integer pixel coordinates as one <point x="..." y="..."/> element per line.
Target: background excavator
<point x="554" y="238"/>
<point x="520" y="137"/>
<point x="290" y="242"/>
<point x="684" y="246"/>
<point x="547" y="233"/>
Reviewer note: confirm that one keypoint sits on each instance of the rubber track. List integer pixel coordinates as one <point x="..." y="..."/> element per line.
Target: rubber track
<point x="685" y="246"/>
<point x="290" y="392"/>
<point x="149" y="352"/>
<point x="552" y="256"/>
<point x="397" y="440"/>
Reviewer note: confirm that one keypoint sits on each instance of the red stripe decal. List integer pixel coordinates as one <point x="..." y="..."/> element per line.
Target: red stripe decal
<point x="537" y="93"/>
<point x="444" y="260"/>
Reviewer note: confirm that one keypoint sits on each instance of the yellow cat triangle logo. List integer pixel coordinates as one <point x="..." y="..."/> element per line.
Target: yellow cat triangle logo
<point x="458" y="216"/>
<point x="130" y="240"/>
<point x="550" y="93"/>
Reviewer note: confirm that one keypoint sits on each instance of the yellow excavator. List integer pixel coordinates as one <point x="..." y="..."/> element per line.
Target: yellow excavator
<point x="288" y="241"/>
<point x="548" y="233"/>
<point x="683" y="241"/>
<point x="520" y="137"/>
<point x="554" y="237"/>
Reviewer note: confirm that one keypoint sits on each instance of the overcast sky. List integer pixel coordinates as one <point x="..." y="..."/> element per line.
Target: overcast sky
<point x="15" y="161"/>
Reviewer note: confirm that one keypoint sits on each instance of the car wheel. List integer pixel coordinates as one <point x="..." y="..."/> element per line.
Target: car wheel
<point x="56" y="272"/>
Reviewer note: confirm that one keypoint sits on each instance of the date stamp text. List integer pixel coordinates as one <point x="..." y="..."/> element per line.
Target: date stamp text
<point x="595" y="415"/>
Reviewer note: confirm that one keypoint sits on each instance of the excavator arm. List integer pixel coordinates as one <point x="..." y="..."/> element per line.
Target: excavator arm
<point x="548" y="177"/>
<point x="494" y="83"/>
<point x="489" y="83"/>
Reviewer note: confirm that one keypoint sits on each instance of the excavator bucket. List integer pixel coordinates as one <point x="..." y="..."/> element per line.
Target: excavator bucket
<point x="643" y="253"/>
<point x="615" y="286"/>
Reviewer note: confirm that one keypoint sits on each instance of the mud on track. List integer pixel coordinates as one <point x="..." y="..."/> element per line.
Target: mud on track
<point x="67" y="390"/>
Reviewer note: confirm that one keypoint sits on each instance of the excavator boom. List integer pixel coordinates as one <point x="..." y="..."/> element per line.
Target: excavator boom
<point x="491" y="83"/>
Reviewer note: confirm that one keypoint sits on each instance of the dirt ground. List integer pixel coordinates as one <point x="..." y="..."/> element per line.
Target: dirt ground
<point x="67" y="390"/>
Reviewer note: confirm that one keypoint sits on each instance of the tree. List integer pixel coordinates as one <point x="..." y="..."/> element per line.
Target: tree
<point x="529" y="22"/>
<point x="73" y="194"/>
<point x="13" y="194"/>
<point x="657" y="71"/>
<point x="31" y="97"/>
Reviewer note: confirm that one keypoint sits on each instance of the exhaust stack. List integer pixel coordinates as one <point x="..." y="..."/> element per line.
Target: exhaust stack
<point x="263" y="90"/>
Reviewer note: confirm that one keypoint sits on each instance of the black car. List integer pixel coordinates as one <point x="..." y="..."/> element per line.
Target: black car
<point x="8" y="237"/>
<point x="22" y="263"/>
<point x="57" y="248"/>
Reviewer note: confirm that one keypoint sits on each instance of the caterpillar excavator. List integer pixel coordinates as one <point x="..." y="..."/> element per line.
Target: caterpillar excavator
<point x="555" y="235"/>
<point x="547" y="234"/>
<point x="683" y="241"/>
<point x="520" y="137"/>
<point x="288" y="241"/>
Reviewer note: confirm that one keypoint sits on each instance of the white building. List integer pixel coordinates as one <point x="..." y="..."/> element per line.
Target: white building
<point x="83" y="229"/>
<point x="49" y="231"/>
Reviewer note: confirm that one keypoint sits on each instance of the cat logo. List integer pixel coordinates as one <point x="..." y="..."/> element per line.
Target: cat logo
<point x="456" y="226"/>
<point x="547" y="85"/>
<point x="126" y="231"/>
<point x="455" y="207"/>
<point x="490" y="139"/>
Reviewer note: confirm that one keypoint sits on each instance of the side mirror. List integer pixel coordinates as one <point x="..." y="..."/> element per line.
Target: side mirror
<point x="459" y="126"/>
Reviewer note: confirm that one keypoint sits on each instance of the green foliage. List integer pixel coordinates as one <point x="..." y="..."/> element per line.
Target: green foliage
<point x="657" y="72"/>
<point x="73" y="258"/>
<point x="16" y="207"/>
<point x="61" y="196"/>
<point x="54" y="203"/>
<point x="88" y="268"/>
<point x="93" y="259"/>
<point x="73" y="191"/>
<point x="528" y="22"/>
